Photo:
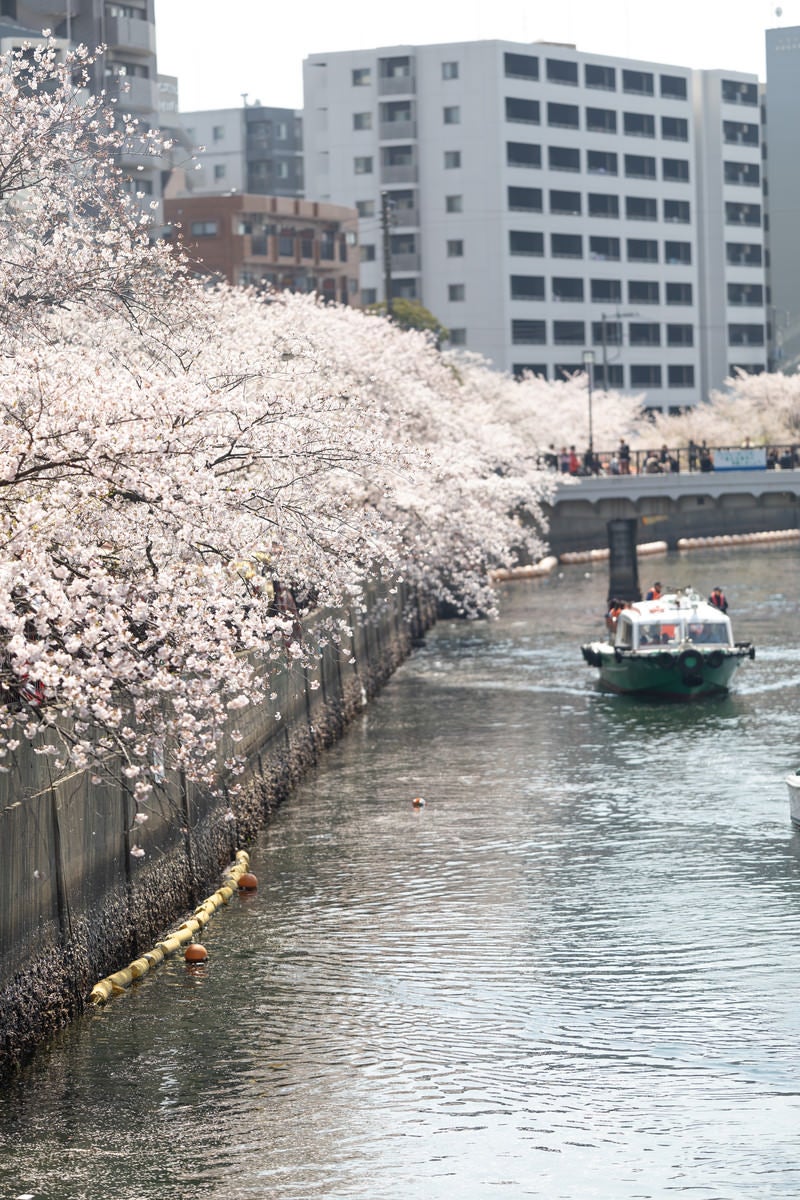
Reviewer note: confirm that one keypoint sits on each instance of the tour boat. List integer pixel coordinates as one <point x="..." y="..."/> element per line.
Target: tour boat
<point x="793" y="784"/>
<point x="678" y="646"/>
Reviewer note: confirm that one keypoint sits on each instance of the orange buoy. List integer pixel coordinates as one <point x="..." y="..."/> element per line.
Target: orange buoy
<point x="418" y="802"/>
<point x="247" y="882"/>
<point x="195" y="953"/>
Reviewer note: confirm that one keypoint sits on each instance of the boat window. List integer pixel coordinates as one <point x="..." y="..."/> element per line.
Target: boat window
<point x="660" y="633"/>
<point x="624" y="632"/>
<point x="705" y="632"/>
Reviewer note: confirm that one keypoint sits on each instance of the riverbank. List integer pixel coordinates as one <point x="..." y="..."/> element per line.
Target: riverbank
<point x="85" y="890"/>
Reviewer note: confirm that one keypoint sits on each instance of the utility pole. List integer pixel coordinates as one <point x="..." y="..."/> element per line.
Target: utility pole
<point x="387" y="252"/>
<point x="617" y="315"/>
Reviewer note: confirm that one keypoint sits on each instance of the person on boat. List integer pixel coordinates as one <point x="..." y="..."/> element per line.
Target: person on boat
<point x="615" y="607"/>
<point x="718" y="599"/>
<point x="654" y="593"/>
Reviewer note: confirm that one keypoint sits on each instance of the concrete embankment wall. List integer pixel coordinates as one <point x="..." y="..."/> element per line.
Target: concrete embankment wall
<point x="75" y="905"/>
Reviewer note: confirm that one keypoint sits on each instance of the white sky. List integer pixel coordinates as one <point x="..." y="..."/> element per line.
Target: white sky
<point x="220" y="50"/>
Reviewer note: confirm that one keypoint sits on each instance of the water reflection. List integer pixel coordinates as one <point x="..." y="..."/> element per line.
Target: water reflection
<point x="572" y="974"/>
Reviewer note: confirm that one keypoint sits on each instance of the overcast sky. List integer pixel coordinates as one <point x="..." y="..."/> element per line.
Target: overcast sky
<point x="218" y="51"/>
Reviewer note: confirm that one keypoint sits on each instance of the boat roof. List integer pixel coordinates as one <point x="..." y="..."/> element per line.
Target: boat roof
<point x="684" y="602"/>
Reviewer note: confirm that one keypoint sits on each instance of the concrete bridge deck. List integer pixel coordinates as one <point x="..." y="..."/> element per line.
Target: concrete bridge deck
<point x="672" y="506"/>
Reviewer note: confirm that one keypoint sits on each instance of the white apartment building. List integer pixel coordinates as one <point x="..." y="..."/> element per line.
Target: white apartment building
<point x="547" y="202"/>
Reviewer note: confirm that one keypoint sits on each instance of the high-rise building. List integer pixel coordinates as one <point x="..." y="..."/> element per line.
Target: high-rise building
<point x="253" y="149"/>
<point x="782" y="133"/>
<point x="550" y="205"/>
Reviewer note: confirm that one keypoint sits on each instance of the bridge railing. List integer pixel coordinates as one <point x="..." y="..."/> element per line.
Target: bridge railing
<point x="666" y="460"/>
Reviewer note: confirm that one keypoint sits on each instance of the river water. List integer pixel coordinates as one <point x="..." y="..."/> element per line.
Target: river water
<point x="573" y="973"/>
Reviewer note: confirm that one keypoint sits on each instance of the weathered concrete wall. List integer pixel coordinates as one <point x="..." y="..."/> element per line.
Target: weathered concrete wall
<point x="74" y="904"/>
<point x="668" y="507"/>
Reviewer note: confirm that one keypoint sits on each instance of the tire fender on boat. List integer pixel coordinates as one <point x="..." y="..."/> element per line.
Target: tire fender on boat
<point x="689" y="664"/>
<point x="715" y="659"/>
<point x="665" y="660"/>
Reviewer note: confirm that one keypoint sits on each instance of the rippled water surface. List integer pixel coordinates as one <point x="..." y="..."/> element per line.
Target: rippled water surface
<point x="574" y="973"/>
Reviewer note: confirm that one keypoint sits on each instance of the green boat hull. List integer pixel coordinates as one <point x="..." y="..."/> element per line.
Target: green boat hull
<point x="661" y="673"/>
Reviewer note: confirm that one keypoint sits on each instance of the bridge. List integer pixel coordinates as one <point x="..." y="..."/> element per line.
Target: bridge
<point x="672" y="506"/>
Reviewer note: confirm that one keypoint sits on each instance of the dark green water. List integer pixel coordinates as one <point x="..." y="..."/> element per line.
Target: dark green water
<point x="573" y="974"/>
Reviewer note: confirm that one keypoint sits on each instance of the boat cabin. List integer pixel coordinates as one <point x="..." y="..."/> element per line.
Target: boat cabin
<point x="672" y="621"/>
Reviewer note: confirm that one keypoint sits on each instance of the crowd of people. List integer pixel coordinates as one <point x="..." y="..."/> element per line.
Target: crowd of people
<point x="695" y="457"/>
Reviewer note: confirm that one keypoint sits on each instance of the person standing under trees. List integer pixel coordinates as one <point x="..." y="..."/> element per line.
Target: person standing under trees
<point x="624" y="456"/>
<point x="718" y="599"/>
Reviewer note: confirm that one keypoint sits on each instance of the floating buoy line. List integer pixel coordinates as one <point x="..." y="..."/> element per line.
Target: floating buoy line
<point x="184" y="935"/>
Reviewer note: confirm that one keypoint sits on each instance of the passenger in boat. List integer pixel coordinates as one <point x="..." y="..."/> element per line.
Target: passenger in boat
<point x="615" y="607"/>
<point x="718" y="599"/>
<point x="654" y="592"/>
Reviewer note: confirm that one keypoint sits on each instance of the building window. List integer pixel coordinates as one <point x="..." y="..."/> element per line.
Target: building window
<point x="678" y="211"/>
<point x="521" y="66"/>
<point x="362" y="120"/>
<point x="745" y="335"/>
<point x="678" y="252"/>
<point x="601" y="162"/>
<point x="565" y="204"/>
<point x="742" y="254"/>
<point x="675" y="129"/>
<point x="746" y="368"/>
<point x="521" y="370"/>
<point x="369" y="296"/>
<point x="367" y="251"/>
<point x="601" y="120"/>
<point x="642" y="250"/>
<point x="566" y="371"/>
<point x="739" y="133"/>
<point x="449" y="70"/>
<point x="526" y="112"/>
<point x="452" y="159"/>
<point x="612" y="376"/>
<point x="639" y="124"/>
<point x="673" y="87"/>
<point x="218" y="133"/>
<point x="645" y="376"/>
<point x="604" y="249"/>
<point x="606" y="333"/>
<point x="456" y="292"/>
<point x="220" y="171"/>
<point x="742" y="214"/>
<point x="640" y="166"/>
<point x="563" y="158"/>
<point x="641" y="208"/>
<point x="680" y="376"/>
<point x="641" y="333"/>
<point x="365" y="208"/>
<point x="604" y="78"/>
<point x="455" y="248"/>
<point x="404" y="289"/>
<point x="361" y="76"/>
<point x="528" y="333"/>
<point x="569" y="333"/>
<point x="734" y="92"/>
<point x="563" y="116"/>
<point x="561" y="71"/>
<point x="522" y="199"/>
<point x="675" y="170"/>
<point x="457" y="337"/>
<point x="601" y="205"/>
<point x="747" y="174"/>
<point x="521" y="241"/>
<point x="567" y="288"/>
<point x="680" y="335"/>
<point x="523" y="154"/>
<point x="362" y="165"/>
<point x="637" y="83"/>
<point x="454" y="204"/>
<point x="566" y="245"/>
<point x="642" y="291"/>
<point x="606" y="291"/>
<point x="679" y="293"/>
<point x="452" y="114"/>
<point x="204" y="228"/>
<point x="527" y="287"/>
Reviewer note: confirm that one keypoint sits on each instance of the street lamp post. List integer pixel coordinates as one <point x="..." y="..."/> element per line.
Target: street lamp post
<point x="588" y="362"/>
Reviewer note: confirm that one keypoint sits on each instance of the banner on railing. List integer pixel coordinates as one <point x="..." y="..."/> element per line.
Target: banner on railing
<point x="744" y="458"/>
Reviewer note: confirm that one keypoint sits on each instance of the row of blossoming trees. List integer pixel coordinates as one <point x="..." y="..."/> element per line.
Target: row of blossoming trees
<point x="166" y="451"/>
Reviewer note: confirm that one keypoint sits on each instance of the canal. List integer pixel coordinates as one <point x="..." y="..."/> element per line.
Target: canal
<point x="572" y="974"/>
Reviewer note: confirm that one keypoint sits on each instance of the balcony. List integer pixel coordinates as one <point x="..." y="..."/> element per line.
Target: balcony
<point x="405" y="173"/>
<point x="397" y="85"/>
<point x="132" y="93"/>
<point x="406" y="262"/>
<point x="405" y="218"/>
<point x="397" y="130"/>
<point x="131" y="34"/>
